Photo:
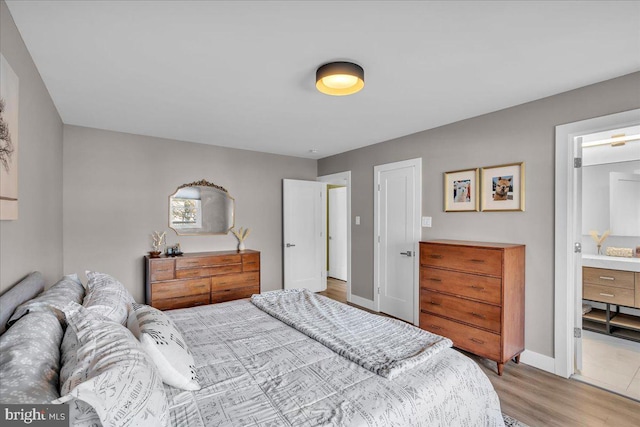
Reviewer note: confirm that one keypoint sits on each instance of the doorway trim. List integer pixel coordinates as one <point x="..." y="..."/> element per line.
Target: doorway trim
<point x="343" y="178"/>
<point x="566" y="288"/>
<point x="417" y="165"/>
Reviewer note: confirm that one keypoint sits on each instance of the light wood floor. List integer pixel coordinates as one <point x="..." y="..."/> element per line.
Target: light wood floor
<point x="538" y="398"/>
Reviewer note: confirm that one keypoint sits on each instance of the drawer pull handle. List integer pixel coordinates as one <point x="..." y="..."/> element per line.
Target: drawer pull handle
<point x="435" y="280"/>
<point x="436" y="256"/>
<point x="607" y="295"/>
<point x="480" y="288"/>
<point x="481" y="316"/>
<point x="437" y="328"/>
<point x="475" y="340"/>
<point x="477" y="261"/>
<point x="607" y="278"/>
<point x="434" y="303"/>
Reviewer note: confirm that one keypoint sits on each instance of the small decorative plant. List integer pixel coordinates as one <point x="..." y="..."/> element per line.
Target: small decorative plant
<point x="241" y="235"/>
<point x="599" y="239"/>
<point x="158" y="241"/>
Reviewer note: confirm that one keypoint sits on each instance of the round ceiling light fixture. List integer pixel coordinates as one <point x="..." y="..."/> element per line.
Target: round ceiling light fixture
<point x="340" y="78"/>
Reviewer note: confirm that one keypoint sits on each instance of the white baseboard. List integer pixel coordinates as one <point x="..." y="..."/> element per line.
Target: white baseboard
<point x="362" y="302"/>
<point x="539" y="361"/>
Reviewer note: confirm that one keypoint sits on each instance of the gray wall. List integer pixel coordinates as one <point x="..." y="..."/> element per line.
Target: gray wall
<point x="34" y="241"/>
<point x="522" y="133"/>
<point x="116" y="192"/>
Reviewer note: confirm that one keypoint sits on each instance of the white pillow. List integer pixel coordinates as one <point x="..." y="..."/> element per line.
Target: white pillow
<point x="164" y="343"/>
<point x="112" y="373"/>
<point x="107" y="297"/>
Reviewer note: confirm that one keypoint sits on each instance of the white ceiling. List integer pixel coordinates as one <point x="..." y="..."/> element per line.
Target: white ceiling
<point x="241" y="74"/>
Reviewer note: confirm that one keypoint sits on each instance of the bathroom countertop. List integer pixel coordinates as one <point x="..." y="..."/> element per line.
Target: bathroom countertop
<point x="611" y="262"/>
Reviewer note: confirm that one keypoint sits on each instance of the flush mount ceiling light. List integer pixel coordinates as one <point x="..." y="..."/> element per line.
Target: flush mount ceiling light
<point x="340" y="78"/>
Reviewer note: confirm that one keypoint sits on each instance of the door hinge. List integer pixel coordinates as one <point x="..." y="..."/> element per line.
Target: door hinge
<point x="577" y="162"/>
<point x="577" y="333"/>
<point x="378" y="239"/>
<point x="378" y="187"/>
<point x="378" y="290"/>
<point x="577" y="248"/>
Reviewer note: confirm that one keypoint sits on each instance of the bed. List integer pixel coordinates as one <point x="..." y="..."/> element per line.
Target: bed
<point x="254" y="369"/>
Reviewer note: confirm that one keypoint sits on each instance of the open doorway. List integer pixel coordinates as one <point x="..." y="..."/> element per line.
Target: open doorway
<point x="338" y="232"/>
<point x="589" y="157"/>
<point x="337" y="236"/>
<point x="609" y="356"/>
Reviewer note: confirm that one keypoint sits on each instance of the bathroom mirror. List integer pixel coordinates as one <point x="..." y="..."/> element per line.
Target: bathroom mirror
<point x="201" y="208"/>
<point x="611" y="198"/>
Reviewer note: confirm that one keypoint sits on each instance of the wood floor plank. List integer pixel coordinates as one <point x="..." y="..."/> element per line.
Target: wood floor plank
<point x="539" y="398"/>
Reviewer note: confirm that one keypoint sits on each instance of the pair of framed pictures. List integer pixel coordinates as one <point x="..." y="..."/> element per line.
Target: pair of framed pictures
<point x="493" y="188"/>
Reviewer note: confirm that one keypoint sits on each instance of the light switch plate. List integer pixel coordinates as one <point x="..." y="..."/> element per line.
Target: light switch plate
<point x="426" y="221"/>
<point x="358" y="220"/>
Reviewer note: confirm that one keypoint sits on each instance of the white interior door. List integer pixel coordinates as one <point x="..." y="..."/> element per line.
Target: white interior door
<point x="304" y="223"/>
<point x="338" y="233"/>
<point x="398" y="232"/>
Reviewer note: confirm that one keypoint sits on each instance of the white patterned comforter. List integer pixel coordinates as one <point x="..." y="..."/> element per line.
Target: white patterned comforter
<point x="383" y="345"/>
<point x="257" y="371"/>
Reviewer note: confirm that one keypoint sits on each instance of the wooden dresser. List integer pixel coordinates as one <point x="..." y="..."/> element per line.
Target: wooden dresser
<point x="201" y="278"/>
<point x="473" y="293"/>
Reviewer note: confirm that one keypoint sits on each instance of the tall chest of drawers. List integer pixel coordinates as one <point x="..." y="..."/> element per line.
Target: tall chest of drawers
<point x="473" y="293"/>
<point x="201" y="278"/>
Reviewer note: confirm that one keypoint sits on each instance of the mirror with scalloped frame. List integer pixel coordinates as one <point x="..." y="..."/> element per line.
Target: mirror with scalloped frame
<point x="201" y="208"/>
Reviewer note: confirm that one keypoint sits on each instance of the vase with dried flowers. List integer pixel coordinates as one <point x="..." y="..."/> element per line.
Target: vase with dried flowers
<point x="599" y="239"/>
<point x="241" y="235"/>
<point x="157" y="242"/>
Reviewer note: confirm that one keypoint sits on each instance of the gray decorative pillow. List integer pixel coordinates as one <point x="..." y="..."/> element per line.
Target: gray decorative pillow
<point x="30" y="359"/>
<point x="112" y="373"/>
<point x="107" y="297"/>
<point x="69" y="288"/>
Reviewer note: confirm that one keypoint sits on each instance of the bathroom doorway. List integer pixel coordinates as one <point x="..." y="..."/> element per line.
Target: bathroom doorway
<point x="572" y="242"/>
<point x="609" y="355"/>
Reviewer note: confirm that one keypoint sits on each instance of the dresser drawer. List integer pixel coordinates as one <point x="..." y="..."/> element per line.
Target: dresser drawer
<point x="208" y="271"/>
<point x="233" y="294"/>
<point x="251" y="262"/>
<point x="483" y="288"/>
<point x="475" y="313"/>
<point x="206" y="261"/>
<point x="604" y="277"/>
<point x="462" y="258"/>
<point x="608" y="294"/>
<point x="162" y="269"/>
<point x="183" y="302"/>
<point x="468" y="338"/>
<point x="220" y="283"/>
<point x="180" y="288"/>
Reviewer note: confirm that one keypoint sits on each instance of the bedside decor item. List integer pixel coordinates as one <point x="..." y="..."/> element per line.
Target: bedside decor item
<point x="9" y="85"/>
<point x="201" y="208"/>
<point x="599" y="239"/>
<point x="340" y="78"/>
<point x="461" y="191"/>
<point x="241" y="235"/>
<point x="158" y="241"/>
<point x="503" y="187"/>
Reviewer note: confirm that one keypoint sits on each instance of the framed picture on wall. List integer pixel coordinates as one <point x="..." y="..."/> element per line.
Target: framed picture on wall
<point x="461" y="191"/>
<point x="503" y="187"/>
